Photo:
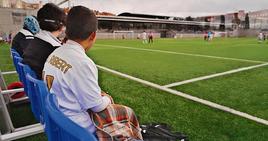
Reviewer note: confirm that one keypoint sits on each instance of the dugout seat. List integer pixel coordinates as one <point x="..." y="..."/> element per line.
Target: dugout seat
<point x="20" y="71"/>
<point x="32" y="89"/>
<point x="16" y="61"/>
<point x="61" y="128"/>
<point x="16" y="58"/>
<point x="14" y="53"/>
<point x="37" y="92"/>
<point x="23" y="70"/>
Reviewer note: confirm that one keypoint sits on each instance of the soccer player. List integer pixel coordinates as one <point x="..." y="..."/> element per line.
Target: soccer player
<point x="26" y="34"/>
<point x="144" y="37"/>
<point x="260" y="37"/>
<point x="52" y="22"/>
<point x="73" y="77"/>
<point x="206" y="36"/>
<point x="209" y="35"/>
<point x="150" y="37"/>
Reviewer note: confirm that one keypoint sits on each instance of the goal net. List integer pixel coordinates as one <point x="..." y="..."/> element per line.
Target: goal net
<point x="117" y="34"/>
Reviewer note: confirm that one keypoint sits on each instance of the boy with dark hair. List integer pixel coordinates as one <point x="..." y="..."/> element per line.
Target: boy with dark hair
<point x="73" y="77"/>
<point x="51" y="17"/>
<point x="26" y="34"/>
<point x="52" y="21"/>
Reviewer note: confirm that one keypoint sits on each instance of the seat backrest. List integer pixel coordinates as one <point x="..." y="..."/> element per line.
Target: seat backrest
<point x="15" y="54"/>
<point x="37" y="92"/>
<point x="13" y="50"/>
<point x="22" y="74"/>
<point x="16" y="61"/>
<point x="23" y="70"/>
<point x="31" y="89"/>
<point x="61" y="128"/>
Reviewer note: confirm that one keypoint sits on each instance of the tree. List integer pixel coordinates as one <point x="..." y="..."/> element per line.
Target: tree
<point x="247" y="21"/>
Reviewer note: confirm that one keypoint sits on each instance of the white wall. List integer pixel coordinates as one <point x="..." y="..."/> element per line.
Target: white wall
<point x="11" y="20"/>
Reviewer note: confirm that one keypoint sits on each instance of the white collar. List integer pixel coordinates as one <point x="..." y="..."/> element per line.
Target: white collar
<point x="75" y="45"/>
<point x="26" y="32"/>
<point x="48" y="37"/>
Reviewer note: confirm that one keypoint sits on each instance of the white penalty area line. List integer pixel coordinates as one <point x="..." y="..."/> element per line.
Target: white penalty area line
<point x="213" y="75"/>
<point x="196" y="99"/>
<point x="181" y="53"/>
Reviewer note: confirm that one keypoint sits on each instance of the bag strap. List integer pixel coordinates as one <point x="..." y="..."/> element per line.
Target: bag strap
<point x="161" y="132"/>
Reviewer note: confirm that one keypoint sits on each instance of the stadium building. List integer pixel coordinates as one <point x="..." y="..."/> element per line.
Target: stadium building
<point x="13" y="12"/>
<point x="111" y="26"/>
<point x="215" y="80"/>
<point x="163" y="26"/>
<point x="130" y="25"/>
<point x="258" y="20"/>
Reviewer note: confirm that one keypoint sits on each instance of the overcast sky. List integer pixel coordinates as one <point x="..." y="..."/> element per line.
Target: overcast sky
<point x="179" y="8"/>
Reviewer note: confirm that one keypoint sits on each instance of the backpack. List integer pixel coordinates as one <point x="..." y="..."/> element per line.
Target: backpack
<point x="161" y="132"/>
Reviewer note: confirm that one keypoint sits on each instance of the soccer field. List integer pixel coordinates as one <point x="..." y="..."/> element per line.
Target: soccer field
<point x="175" y="63"/>
<point x="231" y="72"/>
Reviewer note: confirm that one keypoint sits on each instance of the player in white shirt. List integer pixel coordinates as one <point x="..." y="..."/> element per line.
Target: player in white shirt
<point x="144" y="37"/>
<point x="72" y="76"/>
<point x="260" y="37"/>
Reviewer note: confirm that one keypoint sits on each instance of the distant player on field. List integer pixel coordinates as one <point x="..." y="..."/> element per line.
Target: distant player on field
<point x="206" y="36"/>
<point x="150" y="36"/>
<point x="210" y="36"/>
<point x="260" y="37"/>
<point x="144" y="37"/>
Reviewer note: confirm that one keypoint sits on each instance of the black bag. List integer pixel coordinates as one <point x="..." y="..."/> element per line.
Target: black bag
<point x="161" y="132"/>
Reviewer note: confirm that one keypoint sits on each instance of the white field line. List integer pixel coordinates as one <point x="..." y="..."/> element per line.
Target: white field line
<point x="214" y="75"/>
<point x="196" y="99"/>
<point x="181" y="53"/>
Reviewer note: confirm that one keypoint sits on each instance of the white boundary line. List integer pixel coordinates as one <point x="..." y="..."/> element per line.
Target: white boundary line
<point x="181" y="53"/>
<point x="214" y="75"/>
<point x="196" y="99"/>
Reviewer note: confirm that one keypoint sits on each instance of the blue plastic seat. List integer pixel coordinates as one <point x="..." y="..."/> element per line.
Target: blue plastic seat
<point x="14" y="53"/>
<point x="22" y="71"/>
<point x="22" y="75"/>
<point x="37" y="92"/>
<point x="12" y="49"/>
<point x="16" y="60"/>
<point x="17" y="55"/>
<point x="61" y="128"/>
<point x="31" y="90"/>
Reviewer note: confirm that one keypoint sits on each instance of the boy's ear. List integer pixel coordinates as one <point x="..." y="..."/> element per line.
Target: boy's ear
<point x="92" y="36"/>
<point x="62" y="29"/>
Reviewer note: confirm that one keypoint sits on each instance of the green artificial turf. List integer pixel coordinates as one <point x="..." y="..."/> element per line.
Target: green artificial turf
<point x="199" y="122"/>
<point x="161" y="68"/>
<point x="243" y="48"/>
<point x="246" y="91"/>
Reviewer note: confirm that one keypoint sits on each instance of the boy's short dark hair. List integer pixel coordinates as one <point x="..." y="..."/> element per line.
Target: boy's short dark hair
<point x="51" y="17"/>
<point x="81" y="22"/>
